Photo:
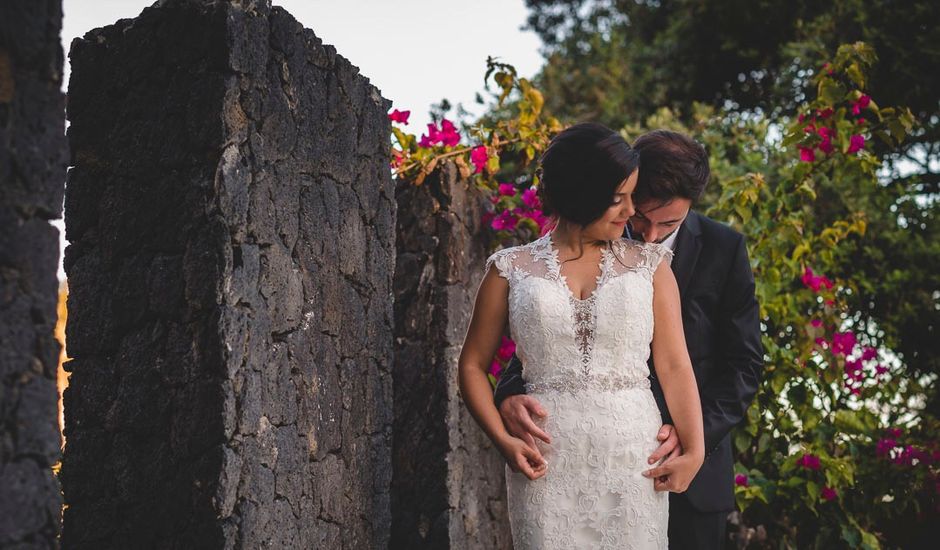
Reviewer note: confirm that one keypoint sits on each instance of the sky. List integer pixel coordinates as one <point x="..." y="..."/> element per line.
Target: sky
<point x="416" y="52"/>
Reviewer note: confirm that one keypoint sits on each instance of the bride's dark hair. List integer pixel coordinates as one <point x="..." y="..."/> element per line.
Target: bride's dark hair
<point x="581" y="169"/>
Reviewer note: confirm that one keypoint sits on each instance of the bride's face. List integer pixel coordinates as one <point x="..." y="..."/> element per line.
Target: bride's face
<point x="610" y="226"/>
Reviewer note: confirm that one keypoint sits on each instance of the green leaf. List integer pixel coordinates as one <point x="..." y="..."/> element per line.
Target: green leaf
<point x="848" y="421"/>
<point x="831" y="92"/>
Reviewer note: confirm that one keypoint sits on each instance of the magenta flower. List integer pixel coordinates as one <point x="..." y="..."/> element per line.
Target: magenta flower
<point x="496" y="368"/>
<point x="506" y="349"/>
<point x="894" y="432"/>
<point x="806" y="154"/>
<point x="507" y="189"/>
<point x="843" y="343"/>
<point x="815" y="282"/>
<point x="449" y="135"/>
<point x="861" y="103"/>
<point x="825" y="113"/>
<point x="809" y="461"/>
<point x="740" y="480"/>
<point x="885" y="446"/>
<point x="432" y="138"/>
<point x="816" y="323"/>
<point x="869" y="353"/>
<point x="855" y="374"/>
<point x="399" y="116"/>
<point x="856" y="143"/>
<point x="530" y="198"/>
<point x="397" y="158"/>
<point x="478" y="157"/>
<point x="880" y="369"/>
<point x="505" y="221"/>
<point x="829" y="494"/>
<point x="826" y="134"/>
<point x="905" y="457"/>
<point x="445" y="135"/>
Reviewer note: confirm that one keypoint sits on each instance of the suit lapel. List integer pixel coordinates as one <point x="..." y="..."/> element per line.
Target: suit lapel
<point x="688" y="246"/>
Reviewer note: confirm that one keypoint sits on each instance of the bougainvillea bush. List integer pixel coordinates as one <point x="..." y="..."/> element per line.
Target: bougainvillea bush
<point x="836" y="451"/>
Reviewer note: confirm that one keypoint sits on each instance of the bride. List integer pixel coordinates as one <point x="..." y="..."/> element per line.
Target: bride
<point x="581" y="304"/>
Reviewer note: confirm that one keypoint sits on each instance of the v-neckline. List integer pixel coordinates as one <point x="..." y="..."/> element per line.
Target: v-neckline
<point x="563" y="279"/>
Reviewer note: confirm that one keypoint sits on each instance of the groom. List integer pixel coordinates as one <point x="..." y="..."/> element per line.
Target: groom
<point x="722" y="331"/>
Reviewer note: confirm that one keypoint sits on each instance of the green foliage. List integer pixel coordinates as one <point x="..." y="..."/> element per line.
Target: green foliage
<point x="798" y="215"/>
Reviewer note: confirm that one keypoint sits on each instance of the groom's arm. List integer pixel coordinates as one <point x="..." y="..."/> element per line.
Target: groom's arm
<point x="740" y="357"/>
<point x="510" y="381"/>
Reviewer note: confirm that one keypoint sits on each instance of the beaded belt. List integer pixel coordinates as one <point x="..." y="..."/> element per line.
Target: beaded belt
<point x="593" y="382"/>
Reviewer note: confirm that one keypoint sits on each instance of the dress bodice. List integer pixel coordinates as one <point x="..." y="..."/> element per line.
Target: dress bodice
<point x="566" y="343"/>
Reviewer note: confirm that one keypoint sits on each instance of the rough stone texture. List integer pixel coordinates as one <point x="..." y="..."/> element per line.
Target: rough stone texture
<point x="231" y="218"/>
<point x="33" y="161"/>
<point x="448" y="488"/>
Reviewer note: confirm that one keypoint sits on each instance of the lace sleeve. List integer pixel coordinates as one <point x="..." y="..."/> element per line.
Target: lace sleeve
<point x="652" y="254"/>
<point x="502" y="259"/>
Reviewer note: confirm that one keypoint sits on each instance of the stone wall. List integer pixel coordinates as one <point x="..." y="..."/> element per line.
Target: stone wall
<point x="33" y="161"/>
<point x="231" y="218"/>
<point x="448" y="488"/>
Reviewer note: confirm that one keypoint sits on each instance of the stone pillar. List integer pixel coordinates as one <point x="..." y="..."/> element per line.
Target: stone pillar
<point x="231" y="218"/>
<point x="33" y="161"/>
<point x="448" y="487"/>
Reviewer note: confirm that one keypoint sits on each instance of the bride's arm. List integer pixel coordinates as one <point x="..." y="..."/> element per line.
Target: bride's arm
<point x="490" y="314"/>
<point x="674" y="371"/>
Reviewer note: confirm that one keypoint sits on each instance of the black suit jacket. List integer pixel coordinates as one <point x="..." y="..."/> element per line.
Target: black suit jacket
<point x="722" y="330"/>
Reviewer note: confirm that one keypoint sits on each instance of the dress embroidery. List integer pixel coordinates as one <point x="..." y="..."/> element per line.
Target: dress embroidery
<point x="586" y="362"/>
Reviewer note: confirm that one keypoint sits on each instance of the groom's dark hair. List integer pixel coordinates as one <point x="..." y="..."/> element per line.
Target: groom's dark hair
<point x="674" y="165"/>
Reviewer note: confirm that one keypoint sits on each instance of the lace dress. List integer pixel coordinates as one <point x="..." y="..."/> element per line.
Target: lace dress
<point x="586" y="362"/>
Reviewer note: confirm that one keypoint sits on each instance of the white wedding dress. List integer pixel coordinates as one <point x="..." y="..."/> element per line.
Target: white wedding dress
<point x="586" y="362"/>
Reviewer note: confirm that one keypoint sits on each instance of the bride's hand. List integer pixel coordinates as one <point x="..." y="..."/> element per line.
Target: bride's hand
<point x="522" y="458"/>
<point x="675" y="474"/>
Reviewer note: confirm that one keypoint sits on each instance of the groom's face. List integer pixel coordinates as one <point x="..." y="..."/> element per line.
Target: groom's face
<point x="655" y="221"/>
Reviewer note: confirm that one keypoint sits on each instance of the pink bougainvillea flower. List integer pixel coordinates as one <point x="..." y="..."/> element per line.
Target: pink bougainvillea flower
<point x="449" y="135"/>
<point x="816" y="323"/>
<point x="810" y="128"/>
<point x="740" y="480"/>
<point x="507" y="189"/>
<point x="825" y="113"/>
<point x="478" y="157"/>
<point x="397" y="158"/>
<point x="821" y="342"/>
<point x="856" y="143"/>
<point x="806" y="154"/>
<point x="815" y="282"/>
<point x="894" y="432"/>
<point x="530" y="198"/>
<point x="801" y="117"/>
<point x="826" y="134"/>
<point x="496" y="368"/>
<point x="809" y="461"/>
<point x="432" y="138"/>
<point x="905" y="457"/>
<point x="861" y="103"/>
<point x="829" y="494"/>
<point x="881" y="369"/>
<point x="869" y="353"/>
<point x="506" y="349"/>
<point x="505" y="221"/>
<point x="399" y="116"/>
<point x="843" y="343"/>
<point x="885" y="446"/>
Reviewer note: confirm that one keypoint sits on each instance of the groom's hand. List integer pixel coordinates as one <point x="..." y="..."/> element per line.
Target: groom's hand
<point x="517" y="412"/>
<point x="669" y="445"/>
